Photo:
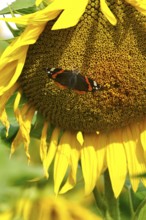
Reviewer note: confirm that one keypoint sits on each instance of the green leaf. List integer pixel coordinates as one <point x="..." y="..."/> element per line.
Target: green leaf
<point x="27" y="10"/>
<point x="141" y="192"/>
<point x="12" y="133"/>
<point x="15" y="174"/>
<point x="3" y="45"/>
<point x="18" y="5"/>
<point x="37" y="127"/>
<point x="142" y="214"/>
<point x="15" y="32"/>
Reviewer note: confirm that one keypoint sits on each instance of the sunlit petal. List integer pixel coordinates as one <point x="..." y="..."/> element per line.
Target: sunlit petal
<point x="116" y="161"/>
<point x="101" y="153"/>
<point x="74" y="159"/>
<point x="143" y="136"/>
<point x="140" y="5"/>
<point x="107" y="12"/>
<point x="89" y="162"/>
<point x="62" y="160"/>
<point x="48" y="151"/>
<point x="134" y="154"/>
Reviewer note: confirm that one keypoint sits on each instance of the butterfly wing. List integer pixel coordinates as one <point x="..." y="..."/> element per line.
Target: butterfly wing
<point x="81" y="84"/>
<point x="67" y="79"/>
<point x="71" y="79"/>
<point x="53" y="72"/>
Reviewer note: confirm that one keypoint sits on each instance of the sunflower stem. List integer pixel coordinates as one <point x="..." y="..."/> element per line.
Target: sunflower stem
<point x="101" y="206"/>
<point x="130" y="201"/>
<point x="136" y="214"/>
<point x="112" y="202"/>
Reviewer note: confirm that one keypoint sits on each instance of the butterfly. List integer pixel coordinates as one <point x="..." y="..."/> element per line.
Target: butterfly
<point x="72" y="80"/>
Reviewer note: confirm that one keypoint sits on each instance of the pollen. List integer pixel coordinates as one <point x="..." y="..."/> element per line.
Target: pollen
<point x="113" y="56"/>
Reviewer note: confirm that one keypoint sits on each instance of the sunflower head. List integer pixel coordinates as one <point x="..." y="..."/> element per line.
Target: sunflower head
<point x="112" y="56"/>
<point x="111" y="119"/>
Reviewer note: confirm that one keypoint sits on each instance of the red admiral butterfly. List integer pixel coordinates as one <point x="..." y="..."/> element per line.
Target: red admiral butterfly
<point x="72" y="80"/>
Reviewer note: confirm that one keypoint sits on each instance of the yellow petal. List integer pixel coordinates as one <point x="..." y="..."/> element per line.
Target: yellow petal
<point x="3" y="100"/>
<point x="16" y="106"/>
<point x="23" y="208"/>
<point x="18" y="71"/>
<point x="38" y="2"/>
<point x="24" y="118"/>
<point x="19" y="46"/>
<point x="43" y="143"/>
<point x="80" y="138"/>
<point x="6" y="215"/>
<point x="74" y="158"/>
<point x="116" y="161"/>
<point x="62" y="159"/>
<point x="50" y="150"/>
<point x="4" y="120"/>
<point x="143" y="136"/>
<point x="5" y="79"/>
<point x="107" y="12"/>
<point x="5" y="97"/>
<point x="89" y="162"/>
<point x="134" y="153"/>
<point x="25" y="130"/>
<point x="13" y="58"/>
<point x="37" y="19"/>
<point x="101" y="153"/>
<point x="135" y="130"/>
<point x="16" y="142"/>
<point x="140" y="5"/>
<point x="73" y="10"/>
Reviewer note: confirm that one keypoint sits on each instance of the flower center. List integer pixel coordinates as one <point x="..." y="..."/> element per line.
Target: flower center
<point x="112" y="56"/>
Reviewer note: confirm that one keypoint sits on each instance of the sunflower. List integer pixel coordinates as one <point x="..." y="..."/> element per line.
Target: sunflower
<point x="106" y="129"/>
<point x="48" y="208"/>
